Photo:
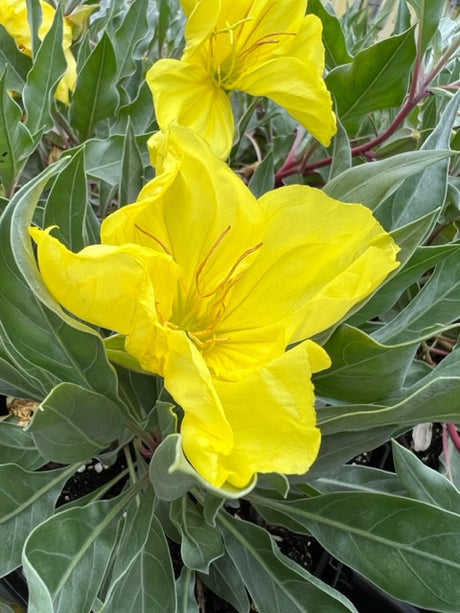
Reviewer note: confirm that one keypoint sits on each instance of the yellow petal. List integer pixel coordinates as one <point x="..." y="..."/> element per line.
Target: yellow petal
<point x="324" y="254"/>
<point x="272" y="416"/>
<point x="185" y="94"/>
<point x="202" y="214"/>
<point x="104" y="285"/>
<point x="202" y="17"/>
<point x="13" y="17"/>
<point x="188" y="6"/>
<point x="67" y="83"/>
<point x="205" y="429"/>
<point x="299" y="86"/>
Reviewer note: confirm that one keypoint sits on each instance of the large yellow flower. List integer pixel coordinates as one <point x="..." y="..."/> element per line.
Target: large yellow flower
<point x="210" y="285"/>
<point x="263" y="47"/>
<point x="13" y="17"/>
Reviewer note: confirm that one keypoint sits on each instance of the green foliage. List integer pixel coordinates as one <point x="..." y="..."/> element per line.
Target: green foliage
<point x="379" y="536"/>
<point x="97" y="76"/>
<point x="393" y="74"/>
<point x="43" y="78"/>
<point x="375" y="79"/>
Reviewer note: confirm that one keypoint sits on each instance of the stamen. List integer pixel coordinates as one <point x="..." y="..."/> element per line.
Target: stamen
<point x="232" y="270"/>
<point x="220" y="304"/>
<point x="203" y="344"/>
<point x="170" y="325"/>
<point x="262" y="41"/>
<point x="157" y="240"/>
<point x="206" y="259"/>
<point x="229" y="29"/>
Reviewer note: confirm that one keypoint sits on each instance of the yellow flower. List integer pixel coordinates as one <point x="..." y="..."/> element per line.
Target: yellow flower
<point x="13" y="17"/>
<point x="263" y="47"/>
<point x="210" y="285"/>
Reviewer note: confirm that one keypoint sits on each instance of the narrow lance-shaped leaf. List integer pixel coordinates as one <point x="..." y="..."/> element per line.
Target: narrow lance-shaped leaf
<point x="96" y="96"/>
<point x="424" y="483"/>
<point x="429" y="14"/>
<point x="132" y="169"/>
<point x="16" y="142"/>
<point x="362" y="370"/>
<point x="224" y="580"/>
<point x="48" y="67"/>
<point x="333" y="36"/>
<point x="355" y="478"/>
<point x="432" y="398"/>
<point x="426" y="190"/>
<point x="34" y="17"/>
<point x="340" y="447"/>
<point x="341" y="154"/>
<point x="372" y="183"/>
<point x="263" y="179"/>
<point x="140" y="111"/>
<point x="201" y="542"/>
<point x="421" y="261"/>
<point x="185" y="588"/>
<point x="375" y="79"/>
<point x="434" y="309"/>
<point x="134" y="28"/>
<point x="67" y="204"/>
<point x="18" y="63"/>
<point x="142" y="578"/>
<point x="103" y="157"/>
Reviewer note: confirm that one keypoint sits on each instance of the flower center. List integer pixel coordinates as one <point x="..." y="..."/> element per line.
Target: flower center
<point x="205" y="303"/>
<point x="226" y="52"/>
<point x="214" y="299"/>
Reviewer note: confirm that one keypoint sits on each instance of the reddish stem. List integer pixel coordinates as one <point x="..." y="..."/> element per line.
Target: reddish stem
<point x="417" y="92"/>
<point x="454" y="435"/>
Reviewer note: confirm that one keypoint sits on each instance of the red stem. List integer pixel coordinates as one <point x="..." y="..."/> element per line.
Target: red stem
<point x="453" y="433"/>
<point x="417" y="92"/>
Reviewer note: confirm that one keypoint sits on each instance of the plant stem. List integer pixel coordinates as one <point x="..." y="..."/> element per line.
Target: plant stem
<point x="142" y="434"/>
<point x="418" y="91"/>
<point x="453" y="433"/>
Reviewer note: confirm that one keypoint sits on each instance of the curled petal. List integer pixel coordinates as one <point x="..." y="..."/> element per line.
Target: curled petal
<point x="299" y="85"/>
<point x="104" y="285"/>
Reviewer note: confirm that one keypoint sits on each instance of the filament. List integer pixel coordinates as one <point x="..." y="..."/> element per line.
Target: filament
<point x="157" y="240"/>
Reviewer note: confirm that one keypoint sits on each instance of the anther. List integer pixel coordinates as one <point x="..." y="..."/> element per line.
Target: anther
<point x="228" y="276"/>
